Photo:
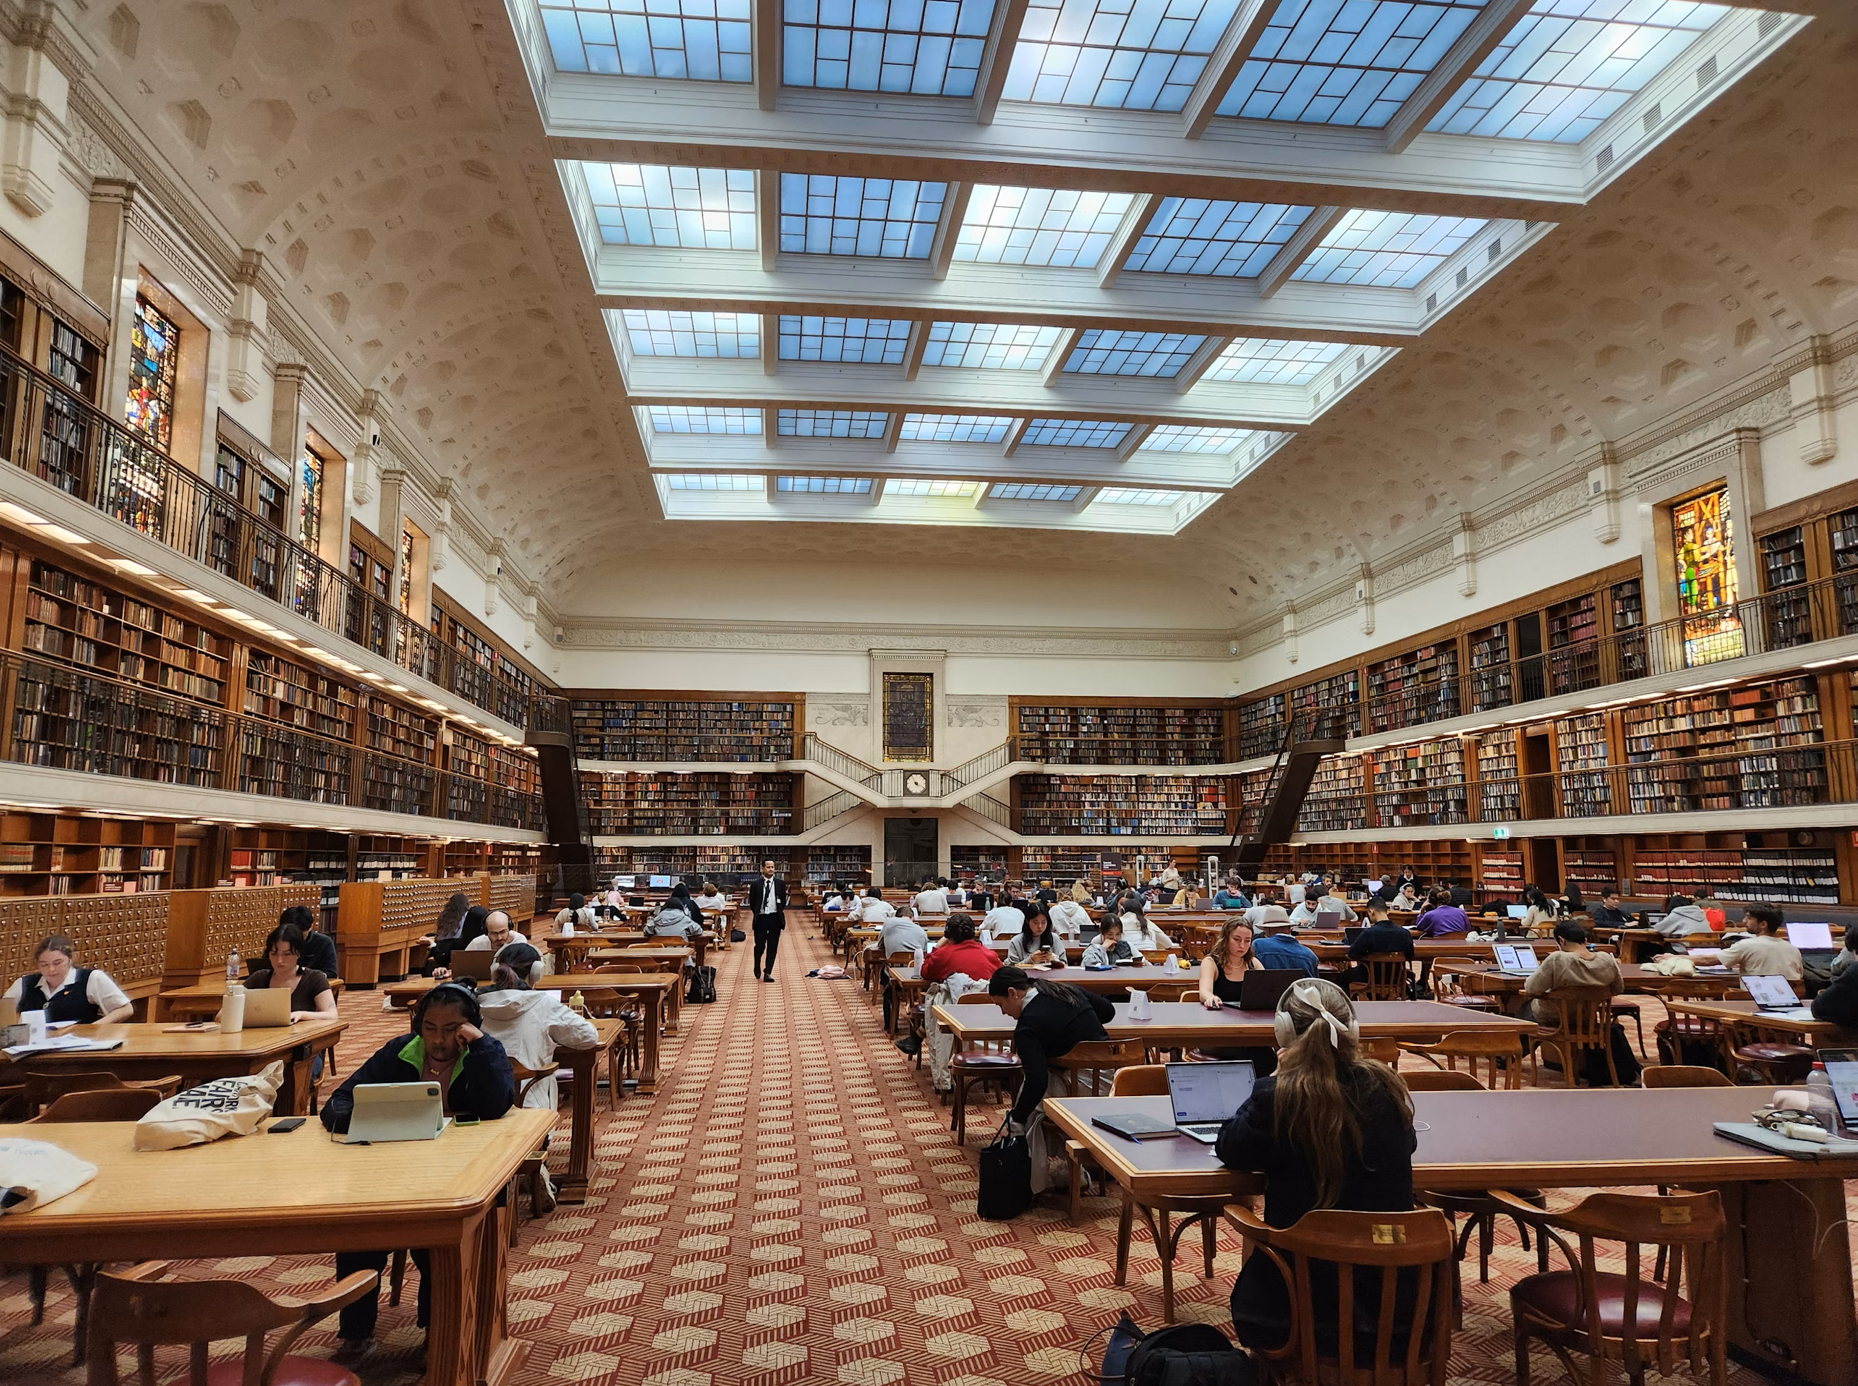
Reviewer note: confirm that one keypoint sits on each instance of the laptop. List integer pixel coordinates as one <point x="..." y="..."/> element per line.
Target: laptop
<point x="1811" y="936"/>
<point x="395" y="1112"/>
<point x="472" y="963"/>
<point x="1205" y="1095"/>
<point x="1259" y="991"/>
<point x="1353" y="932"/>
<point x="1517" y="911"/>
<point x="1328" y="919"/>
<point x="1514" y="961"/>
<point x="1774" y="995"/>
<point x="1842" y="1072"/>
<point x="267" y="1008"/>
<point x="658" y="882"/>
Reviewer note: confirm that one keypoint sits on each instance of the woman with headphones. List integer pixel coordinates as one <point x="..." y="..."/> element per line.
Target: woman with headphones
<point x="1331" y="1128"/>
<point x="447" y="1046"/>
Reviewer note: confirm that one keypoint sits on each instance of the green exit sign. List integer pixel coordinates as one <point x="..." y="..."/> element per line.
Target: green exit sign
<point x="1501" y="834"/>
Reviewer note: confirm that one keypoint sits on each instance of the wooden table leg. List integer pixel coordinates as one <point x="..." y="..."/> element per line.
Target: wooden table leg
<point x="499" y="1356"/>
<point x="584" y="1064"/>
<point x="674" y="1002"/>
<point x="648" y="1069"/>
<point x="1790" y="1303"/>
<point x="452" y="1333"/>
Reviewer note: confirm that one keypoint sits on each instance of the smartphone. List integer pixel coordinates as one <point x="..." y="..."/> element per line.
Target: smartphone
<point x="464" y="1121"/>
<point x="278" y="1128"/>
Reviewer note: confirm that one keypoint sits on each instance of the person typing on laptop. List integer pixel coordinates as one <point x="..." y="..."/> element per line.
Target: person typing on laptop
<point x="1222" y="983"/>
<point x="446" y="1047"/>
<point x="497" y="934"/>
<point x="1570" y="965"/>
<point x="310" y="995"/>
<point x="1381" y="936"/>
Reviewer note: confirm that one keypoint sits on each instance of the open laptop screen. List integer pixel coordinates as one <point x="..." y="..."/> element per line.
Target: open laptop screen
<point x="1771" y="993"/>
<point x="1842" y="1071"/>
<point x="1517" y="911"/>
<point x="1805" y="936"/>
<point x="1209" y="1092"/>
<point x="1511" y="958"/>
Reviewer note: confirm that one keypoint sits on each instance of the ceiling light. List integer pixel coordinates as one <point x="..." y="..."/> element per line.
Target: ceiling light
<point x="129" y="565"/>
<point x="20" y="515"/>
<point x="59" y="534"/>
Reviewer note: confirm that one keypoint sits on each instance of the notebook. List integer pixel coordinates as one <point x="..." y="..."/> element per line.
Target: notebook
<point x="1133" y="1126"/>
<point x="1205" y="1095"/>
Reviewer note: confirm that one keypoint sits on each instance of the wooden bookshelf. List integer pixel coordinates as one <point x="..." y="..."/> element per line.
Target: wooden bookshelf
<point x="704" y="804"/>
<point x="1260" y="727"/>
<point x="686" y="863"/>
<point x="1418" y="686"/>
<point x="1492" y="684"/>
<point x="687" y="727"/>
<point x="1120" y="734"/>
<point x="1581" y="755"/>
<point x="1500" y="874"/>
<point x="1590" y="866"/>
<point x="1337" y="800"/>
<point x="967" y="863"/>
<point x="1788" y="617"/>
<point x="1572" y="631"/>
<point x="1119" y="805"/>
<point x="1420" y="784"/>
<point x="87" y="624"/>
<point x="826" y="865"/>
<point x="1843" y="542"/>
<point x="1499" y="787"/>
<point x="1329" y="705"/>
<point x="294" y="695"/>
<point x="70" y="854"/>
<point x="1727" y="748"/>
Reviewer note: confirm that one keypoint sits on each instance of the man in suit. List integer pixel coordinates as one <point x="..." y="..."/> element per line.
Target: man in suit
<point x="767" y="901"/>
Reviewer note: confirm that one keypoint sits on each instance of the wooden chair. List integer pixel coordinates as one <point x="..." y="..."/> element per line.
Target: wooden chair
<point x="42" y="1088"/>
<point x="1382" y="1047"/>
<point x="99" y="1104"/>
<point x="1419" y="1241"/>
<point x="1684" y="1076"/>
<point x="141" y="1307"/>
<point x="1386" y="980"/>
<point x="1441" y="1080"/>
<point x="1584" y="1024"/>
<point x="534" y="1168"/>
<point x="1675" y="1033"/>
<point x="1623" y="1318"/>
<point x="1096" y="1057"/>
<point x="979" y="1069"/>
<point x="1473" y="1047"/>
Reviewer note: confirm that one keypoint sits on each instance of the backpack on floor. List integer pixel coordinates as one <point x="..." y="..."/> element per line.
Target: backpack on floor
<point x="702" y="989"/>
<point x="1188" y="1354"/>
<point x="737" y="936"/>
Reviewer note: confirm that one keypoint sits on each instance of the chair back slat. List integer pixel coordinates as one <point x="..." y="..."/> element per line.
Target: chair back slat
<point x="1140" y="1080"/>
<point x="1387" y="977"/>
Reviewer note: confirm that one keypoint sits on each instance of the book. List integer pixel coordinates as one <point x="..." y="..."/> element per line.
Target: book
<point x="1133" y="1126"/>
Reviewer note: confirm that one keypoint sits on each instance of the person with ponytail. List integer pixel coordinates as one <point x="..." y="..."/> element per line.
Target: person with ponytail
<point x="531" y="1025"/>
<point x="1052" y="1019"/>
<point x="1332" y="1128"/>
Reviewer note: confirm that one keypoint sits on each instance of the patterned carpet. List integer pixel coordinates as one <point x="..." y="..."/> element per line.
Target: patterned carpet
<point x="790" y="1206"/>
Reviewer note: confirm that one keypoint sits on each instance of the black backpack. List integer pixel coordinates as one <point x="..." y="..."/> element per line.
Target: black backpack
<point x="1188" y="1354"/>
<point x="702" y="989"/>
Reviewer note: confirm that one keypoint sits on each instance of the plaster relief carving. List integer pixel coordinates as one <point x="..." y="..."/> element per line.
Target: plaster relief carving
<point x="977" y="712"/>
<point x="847" y="714"/>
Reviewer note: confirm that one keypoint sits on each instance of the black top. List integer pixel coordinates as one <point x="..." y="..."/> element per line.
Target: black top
<point x="1387" y="937"/>
<point x="1050" y="1028"/>
<point x="1606" y="917"/>
<point x="1838" y="1003"/>
<point x="980" y="901"/>
<point x="1224" y="987"/>
<point x="1379" y="1177"/>
<point x="1047" y="894"/>
<point x="482" y="1085"/>
<point x="318" y="953"/>
<point x="310" y="985"/>
<point x="71" y="1001"/>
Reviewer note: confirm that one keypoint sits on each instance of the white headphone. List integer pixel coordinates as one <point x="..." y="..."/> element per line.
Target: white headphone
<point x="1313" y="990"/>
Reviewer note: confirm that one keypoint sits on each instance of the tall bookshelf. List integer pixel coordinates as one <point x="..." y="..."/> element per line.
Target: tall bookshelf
<point x="1120" y="805"/>
<point x="84" y="623"/>
<point x="404" y="783"/>
<point x="1059" y="734"/>
<point x="1842" y="532"/>
<point x="838" y="864"/>
<point x="1418" y="686"/>
<point x="1252" y="786"/>
<point x="1572" y="629"/>
<point x="1492" y="683"/>
<point x="65" y="854"/>
<point x="693" y="729"/>
<point x="1261" y="727"/>
<point x="1336" y="801"/>
<point x="1781" y="876"/>
<point x="1787" y="610"/>
<point x="698" y="805"/>
<point x="1329" y="706"/>
<point x="1628" y="608"/>
<point x="1749" y="747"/>
<point x="1500" y="875"/>
<point x="1422" y="783"/>
<point x="1592" y="870"/>
<point x="1581" y="755"/>
<point x="965" y="864"/>
<point x="1499" y="783"/>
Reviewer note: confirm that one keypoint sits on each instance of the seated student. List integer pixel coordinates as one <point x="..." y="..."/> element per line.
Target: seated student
<point x="957" y="895"/>
<point x="708" y="897"/>
<point x="1081" y="893"/>
<point x="1069" y="918"/>
<point x="310" y="995"/>
<point x="900" y="933"/>
<point x="1004" y="919"/>
<point x="679" y="917"/>
<point x="1381" y="936"/>
<point x="1541" y="914"/>
<point x="465" y="930"/>
<point x="1139" y="930"/>
<point x="1231" y="896"/>
<point x="1570" y="965"/>
<point x="981" y="897"/>
<point x="1837" y="1004"/>
<point x="835" y="898"/>
<point x="931" y="899"/>
<point x="446" y="1046"/>
<point x="1266" y="913"/>
<point x="531" y="1025"/>
<point x="961" y="950"/>
<point x="871" y="906"/>
<point x="1045" y="895"/>
<point x="1442" y="917"/>
<point x="1282" y="953"/>
<point x="1608" y="914"/>
<point x="1681" y="917"/>
<point x="576" y="916"/>
<point x="1331" y="1128"/>
<point x="1764" y="953"/>
<point x="86" y="995"/>
<point x="497" y="934"/>
<point x="1110" y="948"/>
<point x="1223" y="969"/>
<point x="1847" y="955"/>
<point x="318" y="947"/>
<point x="1053" y="1018"/>
<point x="1034" y="943"/>
<point x="1403" y="899"/>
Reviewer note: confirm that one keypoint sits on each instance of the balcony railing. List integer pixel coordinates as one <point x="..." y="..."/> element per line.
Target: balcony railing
<point x="69" y="718"/>
<point x="61" y="438"/>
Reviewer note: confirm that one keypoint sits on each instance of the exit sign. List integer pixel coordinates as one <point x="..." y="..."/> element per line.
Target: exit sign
<point x="1500" y="834"/>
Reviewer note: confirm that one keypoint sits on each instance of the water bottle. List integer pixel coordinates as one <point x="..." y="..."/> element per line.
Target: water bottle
<point x="235" y="969"/>
<point x="1819" y="1099"/>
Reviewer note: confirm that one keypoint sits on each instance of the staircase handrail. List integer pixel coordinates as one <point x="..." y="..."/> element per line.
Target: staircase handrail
<point x="989" y="807"/>
<point x="986" y="763"/>
<point x="837" y="761"/>
<point x="829" y="808"/>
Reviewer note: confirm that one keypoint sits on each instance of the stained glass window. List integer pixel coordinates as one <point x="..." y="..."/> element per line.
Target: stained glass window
<point x="406" y="572"/>
<point x="154" y="360"/>
<point x="1703" y="550"/>
<point x="310" y="506"/>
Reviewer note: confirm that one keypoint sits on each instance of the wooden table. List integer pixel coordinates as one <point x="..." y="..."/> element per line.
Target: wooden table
<point x="583" y="1067"/>
<point x="1484" y="977"/>
<point x="1188" y="1024"/>
<point x="1744" y="1016"/>
<point x="1634" y="943"/>
<point x="202" y="1002"/>
<point x="151" y="1051"/>
<point x="571" y="950"/>
<point x="1799" y="1279"/>
<point x="224" y="1199"/>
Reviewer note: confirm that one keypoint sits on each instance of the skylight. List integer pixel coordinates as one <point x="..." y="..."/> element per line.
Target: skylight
<point x="955" y="428"/>
<point x="685" y="418"/>
<point x="1119" y="495"/>
<point x="831" y="423"/>
<point x="931" y="49"/>
<point x="1144" y="55"/>
<point x="849" y="341"/>
<point x="713" y="481"/>
<point x="924" y="486"/>
<point x="1344" y="62"/>
<point x="1569" y="64"/>
<point x="825" y="485"/>
<point x="1258" y="361"/>
<point x="1032" y="491"/>
<point x="1131" y="353"/>
<point x="652" y="204"/>
<point x="1039" y="226"/>
<point x="706" y="40"/>
<point x="1190" y="438"/>
<point x="991" y="346"/>
<point x="655" y="332"/>
<point x="1074" y="433"/>
<point x="893" y="218"/>
<point x="1192" y="235"/>
<point x="1391" y="250"/>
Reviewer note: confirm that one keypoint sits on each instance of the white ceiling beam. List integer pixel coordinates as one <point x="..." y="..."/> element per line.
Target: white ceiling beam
<point x="1481" y="36"/>
<point x="1132" y="440"/>
<point x="1291" y="255"/>
<point x="1128" y="232"/>
<point x="948" y="227"/>
<point x="770" y="343"/>
<point x="769" y="437"/>
<point x="1014" y="434"/>
<point x="893" y="433"/>
<point x="997" y="59"/>
<point x="767" y="25"/>
<point x="1235" y="45"/>
<point x="768" y="217"/>
<point x="636" y="120"/>
<point x="1083" y="498"/>
<point x="914" y="348"/>
<point x="946" y="461"/>
<point x="1058" y="355"/>
<point x="1201" y="362"/>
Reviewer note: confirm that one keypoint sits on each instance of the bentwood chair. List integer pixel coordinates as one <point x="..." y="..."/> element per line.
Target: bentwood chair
<point x="1386" y="980"/>
<point x="534" y="1169"/>
<point x="1584" y="1026"/>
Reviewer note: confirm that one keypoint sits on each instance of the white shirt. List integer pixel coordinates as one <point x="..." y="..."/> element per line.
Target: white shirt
<point x="874" y="907"/>
<point x="1146" y="939"/>
<point x="481" y="944"/>
<point x="932" y="901"/>
<point x="102" y="991"/>
<point x="712" y="902"/>
<point x="1069" y="917"/>
<point x="1002" y="920"/>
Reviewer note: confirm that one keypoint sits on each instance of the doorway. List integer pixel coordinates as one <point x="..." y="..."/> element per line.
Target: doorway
<point x="910" y="850"/>
<point x="1544" y="864"/>
<point x="1539" y="783"/>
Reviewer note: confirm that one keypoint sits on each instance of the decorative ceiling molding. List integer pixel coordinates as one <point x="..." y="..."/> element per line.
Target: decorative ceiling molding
<point x="824" y="637"/>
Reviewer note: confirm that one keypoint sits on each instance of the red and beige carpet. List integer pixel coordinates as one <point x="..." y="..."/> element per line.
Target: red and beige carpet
<point x="790" y="1206"/>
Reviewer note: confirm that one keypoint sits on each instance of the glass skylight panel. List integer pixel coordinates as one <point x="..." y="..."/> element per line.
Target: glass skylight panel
<point x="1074" y="433"/>
<point x="1143" y="55"/>
<point x="1131" y="353"/>
<point x="1032" y="491"/>
<point x="1261" y="361"/>
<point x="652" y="204"/>
<point x="1344" y="62"/>
<point x="929" y="47"/>
<point x="1391" y="250"/>
<point x="689" y="418"/>
<point x="825" y="485"/>
<point x="706" y="40"/>
<point x="1191" y="235"/>
<point x="924" y="486"/>
<point x="955" y="428"/>
<point x="713" y="481"/>
<point x="1569" y="64"/>
<point x="831" y="423"/>
<point x="1193" y="438"/>
<point x="1121" y="495"/>
<point x="1039" y="226"/>
<point x="848" y="341"/>
<point x="989" y="346"/>
<point x="654" y="332"/>
<point x="889" y="217"/>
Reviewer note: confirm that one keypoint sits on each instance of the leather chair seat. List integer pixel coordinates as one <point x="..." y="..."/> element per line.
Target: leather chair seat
<point x="980" y="1059"/>
<point x="1557" y="1296"/>
<point x="1767" y="1053"/>
<point x="292" y="1371"/>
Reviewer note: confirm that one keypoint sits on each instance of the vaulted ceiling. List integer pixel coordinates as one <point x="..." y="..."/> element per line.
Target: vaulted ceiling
<point x="396" y="168"/>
